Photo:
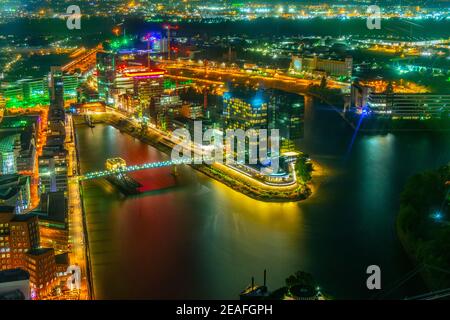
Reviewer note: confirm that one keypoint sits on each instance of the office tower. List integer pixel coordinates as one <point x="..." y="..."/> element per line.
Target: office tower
<point x="53" y="171"/>
<point x="41" y="265"/>
<point x="19" y="234"/>
<point x="56" y="88"/>
<point x="286" y="113"/>
<point x="244" y="111"/>
<point x="106" y="73"/>
<point x="15" y="191"/>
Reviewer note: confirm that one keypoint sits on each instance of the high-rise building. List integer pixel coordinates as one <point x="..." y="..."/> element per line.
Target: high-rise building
<point x="286" y="113"/>
<point x="56" y="86"/>
<point x="149" y="87"/>
<point x="70" y="84"/>
<point x="15" y="191"/>
<point x="53" y="170"/>
<point x="9" y="151"/>
<point x="166" y="111"/>
<point x="34" y="89"/>
<point x="53" y="221"/>
<point x="192" y="111"/>
<point x="23" y="235"/>
<point x="106" y="73"/>
<point x="244" y="111"/>
<point x="19" y="134"/>
<point x="41" y="265"/>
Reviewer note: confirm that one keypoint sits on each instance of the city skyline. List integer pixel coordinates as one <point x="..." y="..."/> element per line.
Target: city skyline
<point x="224" y="150"/>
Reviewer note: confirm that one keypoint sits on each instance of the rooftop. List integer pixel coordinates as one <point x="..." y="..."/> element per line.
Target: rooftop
<point x="53" y="207"/>
<point x="13" y="275"/>
<point x="8" y="142"/>
<point x="17" y="122"/>
<point x="23" y="217"/>
<point x="7" y="209"/>
<point x="62" y="258"/>
<point x="38" y="251"/>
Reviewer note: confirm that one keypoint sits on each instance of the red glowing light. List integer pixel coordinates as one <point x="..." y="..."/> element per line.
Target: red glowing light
<point x="150" y="73"/>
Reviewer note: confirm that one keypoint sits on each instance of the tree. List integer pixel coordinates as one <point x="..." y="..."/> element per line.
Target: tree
<point x="300" y="278"/>
<point x="303" y="169"/>
<point x="323" y="83"/>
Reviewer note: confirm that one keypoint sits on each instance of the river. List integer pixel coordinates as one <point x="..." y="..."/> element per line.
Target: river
<point x="192" y="237"/>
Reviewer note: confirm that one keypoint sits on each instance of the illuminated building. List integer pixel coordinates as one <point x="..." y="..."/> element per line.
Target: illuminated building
<point x="53" y="170"/>
<point x="20" y="234"/>
<point x="62" y="263"/>
<point x="106" y="73"/>
<point x="12" y="94"/>
<point x="407" y="106"/>
<point x="56" y="85"/>
<point x="53" y="224"/>
<point x="316" y="65"/>
<point x="9" y="151"/>
<point x="33" y="88"/>
<point x="20" y="248"/>
<point x="115" y="163"/>
<point x="166" y="111"/>
<point x="88" y="107"/>
<point x="70" y="84"/>
<point x="128" y="103"/>
<point x="135" y="89"/>
<point x="285" y="113"/>
<point x="6" y="214"/>
<point x="242" y="112"/>
<point x="40" y="263"/>
<point x="15" y="191"/>
<point x="24" y="129"/>
<point x="14" y="284"/>
<point x="39" y="91"/>
<point x="192" y="111"/>
<point x="24" y="235"/>
<point x="2" y="104"/>
<point x="149" y="86"/>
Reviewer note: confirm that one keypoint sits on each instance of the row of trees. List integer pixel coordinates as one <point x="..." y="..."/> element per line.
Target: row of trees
<point x="304" y="169"/>
<point x="423" y="223"/>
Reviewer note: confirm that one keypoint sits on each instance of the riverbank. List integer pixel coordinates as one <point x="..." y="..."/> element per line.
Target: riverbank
<point x="373" y="125"/>
<point x="241" y="183"/>
<point x="423" y="225"/>
<point x="77" y="191"/>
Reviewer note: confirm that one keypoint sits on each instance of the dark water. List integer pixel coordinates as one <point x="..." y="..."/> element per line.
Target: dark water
<point x="196" y="238"/>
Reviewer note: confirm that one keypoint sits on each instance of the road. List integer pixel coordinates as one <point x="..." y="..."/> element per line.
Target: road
<point x="277" y="80"/>
<point x="76" y="229"/>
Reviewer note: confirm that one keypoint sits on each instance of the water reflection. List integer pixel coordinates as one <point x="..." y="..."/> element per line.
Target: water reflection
<point x="192" y="237"/>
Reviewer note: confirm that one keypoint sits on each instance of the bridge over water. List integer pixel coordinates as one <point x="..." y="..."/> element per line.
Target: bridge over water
<point x="149" y="165"/>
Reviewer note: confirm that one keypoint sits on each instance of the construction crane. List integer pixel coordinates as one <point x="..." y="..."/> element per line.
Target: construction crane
<point x="149" y="38"/>
<point x="169" y="27"/>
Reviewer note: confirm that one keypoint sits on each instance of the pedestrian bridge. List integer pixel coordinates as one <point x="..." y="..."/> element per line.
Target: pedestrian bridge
<point x="124" y="169"/>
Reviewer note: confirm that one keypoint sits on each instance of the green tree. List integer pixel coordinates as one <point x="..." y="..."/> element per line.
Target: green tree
<point x="323" y="83"/>
<point x="303" y="169"/>
<point x="300" y="278"/>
